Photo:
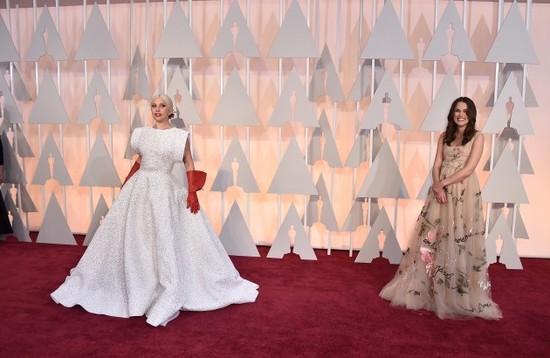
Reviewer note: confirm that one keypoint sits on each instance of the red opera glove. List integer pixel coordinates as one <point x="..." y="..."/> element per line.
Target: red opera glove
<point x="133" y="170"/>
<point x="195" y="182"/>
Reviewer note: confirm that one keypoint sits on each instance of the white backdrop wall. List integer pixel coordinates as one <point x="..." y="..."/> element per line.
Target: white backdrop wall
<point x="339" y="26"/>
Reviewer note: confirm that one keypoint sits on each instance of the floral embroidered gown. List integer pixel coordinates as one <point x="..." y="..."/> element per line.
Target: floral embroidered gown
<point x="151" y="256"/>
<point x="444" y="270"/>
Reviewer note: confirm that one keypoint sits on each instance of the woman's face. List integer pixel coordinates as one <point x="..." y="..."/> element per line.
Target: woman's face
<point x="460" y="115"/>
<point x="160" y="110"/>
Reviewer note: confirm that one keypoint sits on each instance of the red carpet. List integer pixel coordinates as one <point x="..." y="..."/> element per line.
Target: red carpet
<point x="328" y="307"/>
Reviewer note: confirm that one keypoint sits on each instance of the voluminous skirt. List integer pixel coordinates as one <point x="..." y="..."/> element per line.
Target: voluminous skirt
<point x="444" y="270"/>
<point x="151" y="256"/>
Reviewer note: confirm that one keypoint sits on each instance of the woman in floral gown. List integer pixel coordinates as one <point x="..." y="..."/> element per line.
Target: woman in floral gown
<point x="444" y="270"/>
<point x="155" y="252"/>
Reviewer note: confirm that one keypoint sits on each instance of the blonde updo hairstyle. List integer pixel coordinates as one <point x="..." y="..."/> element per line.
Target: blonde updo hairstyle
<point x="166" y="99"/>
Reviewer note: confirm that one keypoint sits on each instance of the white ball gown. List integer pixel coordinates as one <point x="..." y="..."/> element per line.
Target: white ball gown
<point x="151" y="256"/>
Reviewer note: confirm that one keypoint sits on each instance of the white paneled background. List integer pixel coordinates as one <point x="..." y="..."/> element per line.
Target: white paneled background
<point x="315" y="120"/>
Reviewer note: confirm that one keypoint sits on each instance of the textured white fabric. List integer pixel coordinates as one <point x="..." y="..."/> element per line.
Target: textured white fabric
<point x="150" y="255"/>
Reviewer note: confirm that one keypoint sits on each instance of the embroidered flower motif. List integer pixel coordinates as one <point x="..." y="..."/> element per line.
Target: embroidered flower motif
<point x="426" y="255"/>
<point x="431" y="236"/>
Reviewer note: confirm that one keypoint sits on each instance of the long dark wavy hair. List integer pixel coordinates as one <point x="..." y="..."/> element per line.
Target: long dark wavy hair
<point x="452" y="128"/>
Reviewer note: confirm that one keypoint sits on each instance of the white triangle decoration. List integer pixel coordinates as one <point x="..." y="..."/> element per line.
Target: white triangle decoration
<point x="100" y="170"/>
<point x="235" y="36"/>
<point x="292" y="176"/>
<point x="435" y="120"/>
<point x="54" y="228"/>
<point x="48" y="107"/>
<point x="98" y="103"/>
<point x="10" y="111"/>
<point x="235" y="107"/>
<point x="387" y="40"/>
<point x="235" y="167"/>
<point x="291" y="233"/>
<point x="293" y="104"/>
<point x="294" y="39"/>
<point x="9" y="51"/>
<point x="384" y="179"/>
<point x="235" y="236"/>
<point x="19" y="229"/>
<point x="450" y="32"/>
<point x="386" y="106"/>
<point x="504" y="184"/>
<point x="178" y="90"/>
<point x="177" y="39"/>
<point x="46" y="40"/>
<point x="51" y="165"/>
<point x="508" y="255"/>
<point x="512" y="43"/>
<point x="100" y="212"/>
<point x="509" y="111"/>
<point x="96" y="43"/>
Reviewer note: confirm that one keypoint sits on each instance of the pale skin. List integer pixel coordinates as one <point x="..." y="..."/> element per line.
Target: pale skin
<point x="460" y="117"/>
<point x="161" y="115"/>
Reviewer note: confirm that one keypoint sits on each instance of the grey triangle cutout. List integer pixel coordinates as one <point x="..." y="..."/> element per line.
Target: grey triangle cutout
<point x="178" y="90"/>
<point x="235" y="236"/>
<point x="508" y="255"/>
<point x="450" y="38"/>
<point x="362" y="85"/>
<point x="177" y="39"/>
<point x="520" y="230"/>
<point x="12" y="170"/>
<point x="371" y="247"/>
<point x="509" y="136"/>
<point x="27" y="205"/>
<point x="46" y="40"/>
<point x="387" y="40"/>
<point x="509" y="111"/>
<point x="423" y="194"/>
<point x="235" y="171"/>
<point x="138" y="82"/>
<point x="358" y="153"/>
<point x="9" y="52"/>
<point x="325" y="79"/>
<point x="322" y="145"/>
<point x="48" y="107"/>
<point x="23" y="148"/>
<point x="386" y="106"/>
<point x="292" y="166"/>
<point x="54" y="228"/>
<point x="235" y="107"/>
<point x="504" y="184"/>
<point x="98" y="103"/>
<point x="96" y="43"/>
<point x="19" y="229"/>
<point x="100" y="212"/>
<point x="8" y="110"/>
<point x="294" y="39"/>
<point x="178" y="65"/>
<point x="291" y="232"/>
<point x="293" y="104"/>
<point x="439" y="109"/>
<point x="20" y="91"/>
<point x="51" y="165"/>
<point x="517" y="70"/>
<point x="321" y="201"/>
<point x="136" y="123"/>
<point x="100" y="170"/>
<point x="384" y="179"/>
<point x="357" y="215"/>
<point x="512" y="42"/>
<point x="235" y="36"/>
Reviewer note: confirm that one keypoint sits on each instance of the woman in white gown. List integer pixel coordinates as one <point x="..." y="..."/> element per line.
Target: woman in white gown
<point x="156" y="253"/>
